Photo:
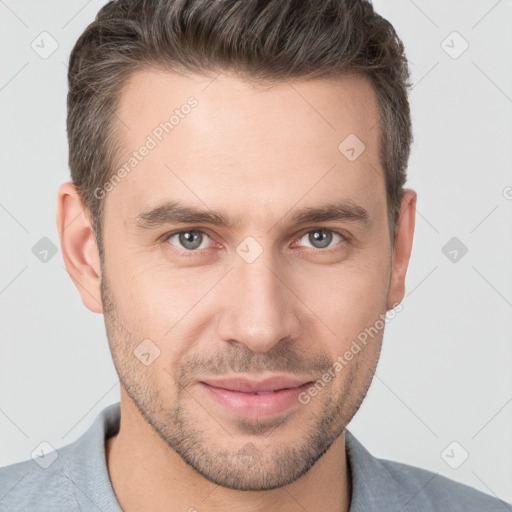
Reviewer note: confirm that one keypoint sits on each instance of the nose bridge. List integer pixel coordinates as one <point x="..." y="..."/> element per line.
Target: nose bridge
<point x="259" y="310"/>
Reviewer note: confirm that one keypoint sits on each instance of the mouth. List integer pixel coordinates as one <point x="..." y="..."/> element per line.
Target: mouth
<point x="253" y="399"/>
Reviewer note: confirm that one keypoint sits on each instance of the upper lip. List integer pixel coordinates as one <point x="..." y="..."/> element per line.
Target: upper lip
<point x="248" y="386"/>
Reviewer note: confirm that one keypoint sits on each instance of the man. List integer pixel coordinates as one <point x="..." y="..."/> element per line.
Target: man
<point x="237" y="214"/>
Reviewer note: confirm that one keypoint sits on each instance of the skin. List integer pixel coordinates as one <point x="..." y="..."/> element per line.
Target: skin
<point x="258" y="154"/>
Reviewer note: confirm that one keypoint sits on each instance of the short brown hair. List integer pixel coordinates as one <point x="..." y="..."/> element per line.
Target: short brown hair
<point x="262" y="40"/>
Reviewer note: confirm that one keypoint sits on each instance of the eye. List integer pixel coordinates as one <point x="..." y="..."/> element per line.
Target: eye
<point x="322" y="238"/>
<point x="191" y="240"/>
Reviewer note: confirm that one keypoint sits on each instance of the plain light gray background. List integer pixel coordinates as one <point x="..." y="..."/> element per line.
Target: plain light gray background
<point x="445" y="370"/>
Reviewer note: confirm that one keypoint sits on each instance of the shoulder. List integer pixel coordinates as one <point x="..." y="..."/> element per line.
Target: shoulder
<point x="27" y="485"/>
<point x="388" y="486"/>
<point x="73" y="477"/>
<point x="432" y="491"/>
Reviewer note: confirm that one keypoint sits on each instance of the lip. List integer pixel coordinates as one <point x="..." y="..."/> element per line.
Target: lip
<point x="245" y="385"/>
<point x="236" y="396"/>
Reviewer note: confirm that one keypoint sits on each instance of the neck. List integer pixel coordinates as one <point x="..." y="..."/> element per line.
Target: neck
<point x="147" y="475"/>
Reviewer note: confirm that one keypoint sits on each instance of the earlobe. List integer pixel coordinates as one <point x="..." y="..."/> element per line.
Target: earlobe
<point x="78" y="245"/>
<point x="402" y="248"/>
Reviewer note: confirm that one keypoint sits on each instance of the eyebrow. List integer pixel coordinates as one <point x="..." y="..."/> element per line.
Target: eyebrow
<point x="174" y="212"/>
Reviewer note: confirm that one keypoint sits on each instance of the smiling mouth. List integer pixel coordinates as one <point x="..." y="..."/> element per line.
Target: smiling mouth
<point x="268" y="385"/>
<point x="265" y="402"/>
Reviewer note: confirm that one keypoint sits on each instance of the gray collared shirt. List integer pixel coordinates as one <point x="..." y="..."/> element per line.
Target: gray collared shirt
<point x="75" y="479"/>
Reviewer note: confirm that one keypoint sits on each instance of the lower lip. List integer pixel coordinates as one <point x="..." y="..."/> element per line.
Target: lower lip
<point x="255" y="406"/>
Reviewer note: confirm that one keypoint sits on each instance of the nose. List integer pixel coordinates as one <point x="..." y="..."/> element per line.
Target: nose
<point x="259" y="308"/>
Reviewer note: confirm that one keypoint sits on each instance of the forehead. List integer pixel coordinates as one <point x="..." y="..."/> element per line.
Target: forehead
<point x="225" y="141"/>
<point x="324" y="107"/>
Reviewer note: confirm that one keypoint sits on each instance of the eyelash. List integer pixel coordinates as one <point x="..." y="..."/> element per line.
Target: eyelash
<point x="192" y="253"/>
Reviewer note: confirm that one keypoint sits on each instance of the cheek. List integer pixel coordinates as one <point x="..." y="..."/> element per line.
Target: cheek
<point x="158" y="303"/>
<point x="349" y="286"/>
<point x="153" y="307"/>
<point x="146" y="289"/>
<point x="348" y="299"/>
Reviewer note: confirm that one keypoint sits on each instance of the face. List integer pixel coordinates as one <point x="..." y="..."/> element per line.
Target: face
<point x="285" y="262"/>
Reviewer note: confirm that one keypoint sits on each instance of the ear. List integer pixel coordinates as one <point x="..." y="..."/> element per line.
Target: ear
<point x="402" y="248"/>
<point x="78" y="246"/>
